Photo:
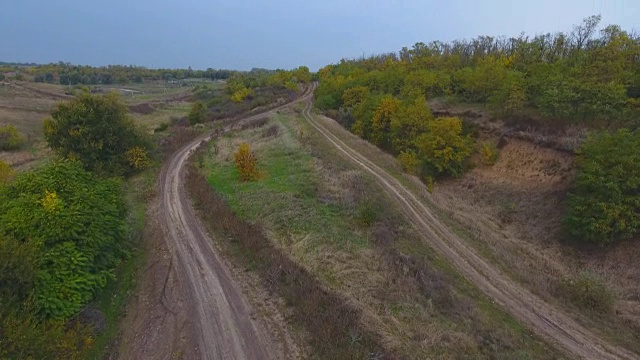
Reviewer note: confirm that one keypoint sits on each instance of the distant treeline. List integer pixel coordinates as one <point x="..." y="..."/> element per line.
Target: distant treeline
<point x="65" y="73"/>
<point x="578" y="76"/>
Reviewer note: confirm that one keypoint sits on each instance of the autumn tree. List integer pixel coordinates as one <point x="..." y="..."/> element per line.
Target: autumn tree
<point x="381" y="122"/>
<point x="410" y="121"/>
<point x="443" y="148"/>
<point x="246" y="163"/>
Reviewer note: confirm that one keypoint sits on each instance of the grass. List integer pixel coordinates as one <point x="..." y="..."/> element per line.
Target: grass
<point x="331" y="219"/>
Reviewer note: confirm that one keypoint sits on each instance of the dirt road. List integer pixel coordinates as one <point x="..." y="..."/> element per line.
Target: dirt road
<point x="548" y="321"/>
<point x="222" y="321"/>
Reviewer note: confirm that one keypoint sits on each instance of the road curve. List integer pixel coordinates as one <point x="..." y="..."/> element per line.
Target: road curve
<point x="546" y="320"/>
<point x="221" y="316"/>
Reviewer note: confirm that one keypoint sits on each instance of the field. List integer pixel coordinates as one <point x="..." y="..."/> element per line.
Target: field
<point x="329" y="217"/>
<point x="26" y="105"/>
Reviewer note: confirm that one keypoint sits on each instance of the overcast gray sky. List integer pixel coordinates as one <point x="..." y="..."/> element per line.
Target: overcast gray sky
<point x="242" y="34"/>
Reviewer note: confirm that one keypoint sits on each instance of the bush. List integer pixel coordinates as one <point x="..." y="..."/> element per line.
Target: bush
<point x="75" y="222"/>
<point x="6" y="173"/>
<point x="161" y="128"/>
<point x="604" y="205"/>
<point x="489" y="153"/>
<point x="198" y="113"/>
<point x="589" y="292"/>
<point x="246" y="163"/>
<point x="241" y="94"/>
<point x="10" y="138"/>
<point x="95" y="130"/>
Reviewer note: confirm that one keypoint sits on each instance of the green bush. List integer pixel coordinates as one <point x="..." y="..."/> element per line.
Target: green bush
<point x="68" y="226"/>
<point x="97" y="131"/>
<point x="198" y="113"/>
<point x="589" y="292"/>
<point x="604" y="205"/>
<point x="10" y="138"/>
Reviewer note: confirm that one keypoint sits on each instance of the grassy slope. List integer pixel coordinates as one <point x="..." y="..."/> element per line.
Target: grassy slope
<point x="328" y="217"/>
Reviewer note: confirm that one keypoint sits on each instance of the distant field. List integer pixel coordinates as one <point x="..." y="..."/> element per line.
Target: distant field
<point x="26" y="105"/>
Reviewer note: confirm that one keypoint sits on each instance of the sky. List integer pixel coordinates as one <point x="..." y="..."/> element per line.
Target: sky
<point x="272" y="34"/>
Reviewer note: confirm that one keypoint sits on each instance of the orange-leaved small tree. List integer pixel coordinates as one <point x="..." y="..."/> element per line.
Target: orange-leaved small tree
<point x="246" y="163"/>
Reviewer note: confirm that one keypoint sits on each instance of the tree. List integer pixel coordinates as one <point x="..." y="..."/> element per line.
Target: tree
<point x="198" y="113"/>
<point x="604" y="205"/>
<point x="381" y="122"/>
<point x="443" y="149"/>
<point x="97" y="131"/>
<point x="408" y="123"/>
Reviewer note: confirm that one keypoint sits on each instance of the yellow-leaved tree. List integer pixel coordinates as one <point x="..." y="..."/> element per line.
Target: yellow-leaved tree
<point x="443" y="148"/>
<point x="382" y="121"/>
<point x="246" y="163"/>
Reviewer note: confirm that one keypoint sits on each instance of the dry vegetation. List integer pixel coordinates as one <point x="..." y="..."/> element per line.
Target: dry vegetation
<point x="326" y="219"/>
<point x="512" y="212"/>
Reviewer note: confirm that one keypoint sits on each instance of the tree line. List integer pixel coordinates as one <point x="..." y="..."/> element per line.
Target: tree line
<point x="69" y="74"/>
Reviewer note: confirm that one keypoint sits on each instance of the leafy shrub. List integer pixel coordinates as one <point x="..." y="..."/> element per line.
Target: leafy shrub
<point x="367" y="212"/>
<point x="75" y="220"/>
<point x="198" y="113"/>
<point x="95" y="130"/>
<point x="241" y="94"/>
<point x="10" y="138"/>
<point x="489" y="153"/>
<point x="138" y="158"/>
<point x="246" y="163"/>
<point x="161" y="128"/>
<point x="589" y="292"/>
<point x="604" y="205"/>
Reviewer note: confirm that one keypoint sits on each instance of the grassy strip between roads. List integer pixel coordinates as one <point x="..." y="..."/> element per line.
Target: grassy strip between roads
<point x="332" y="324"/>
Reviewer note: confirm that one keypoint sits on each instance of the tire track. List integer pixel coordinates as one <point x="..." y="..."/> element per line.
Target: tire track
<point x="550" y="322"/>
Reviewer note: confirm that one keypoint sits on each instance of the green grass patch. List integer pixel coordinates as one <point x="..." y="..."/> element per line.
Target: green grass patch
<point x="285" y="198"/>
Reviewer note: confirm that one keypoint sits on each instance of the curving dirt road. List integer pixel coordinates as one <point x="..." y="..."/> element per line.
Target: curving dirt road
<point x="546" y="320"/>
<point x="221" y="318"/>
